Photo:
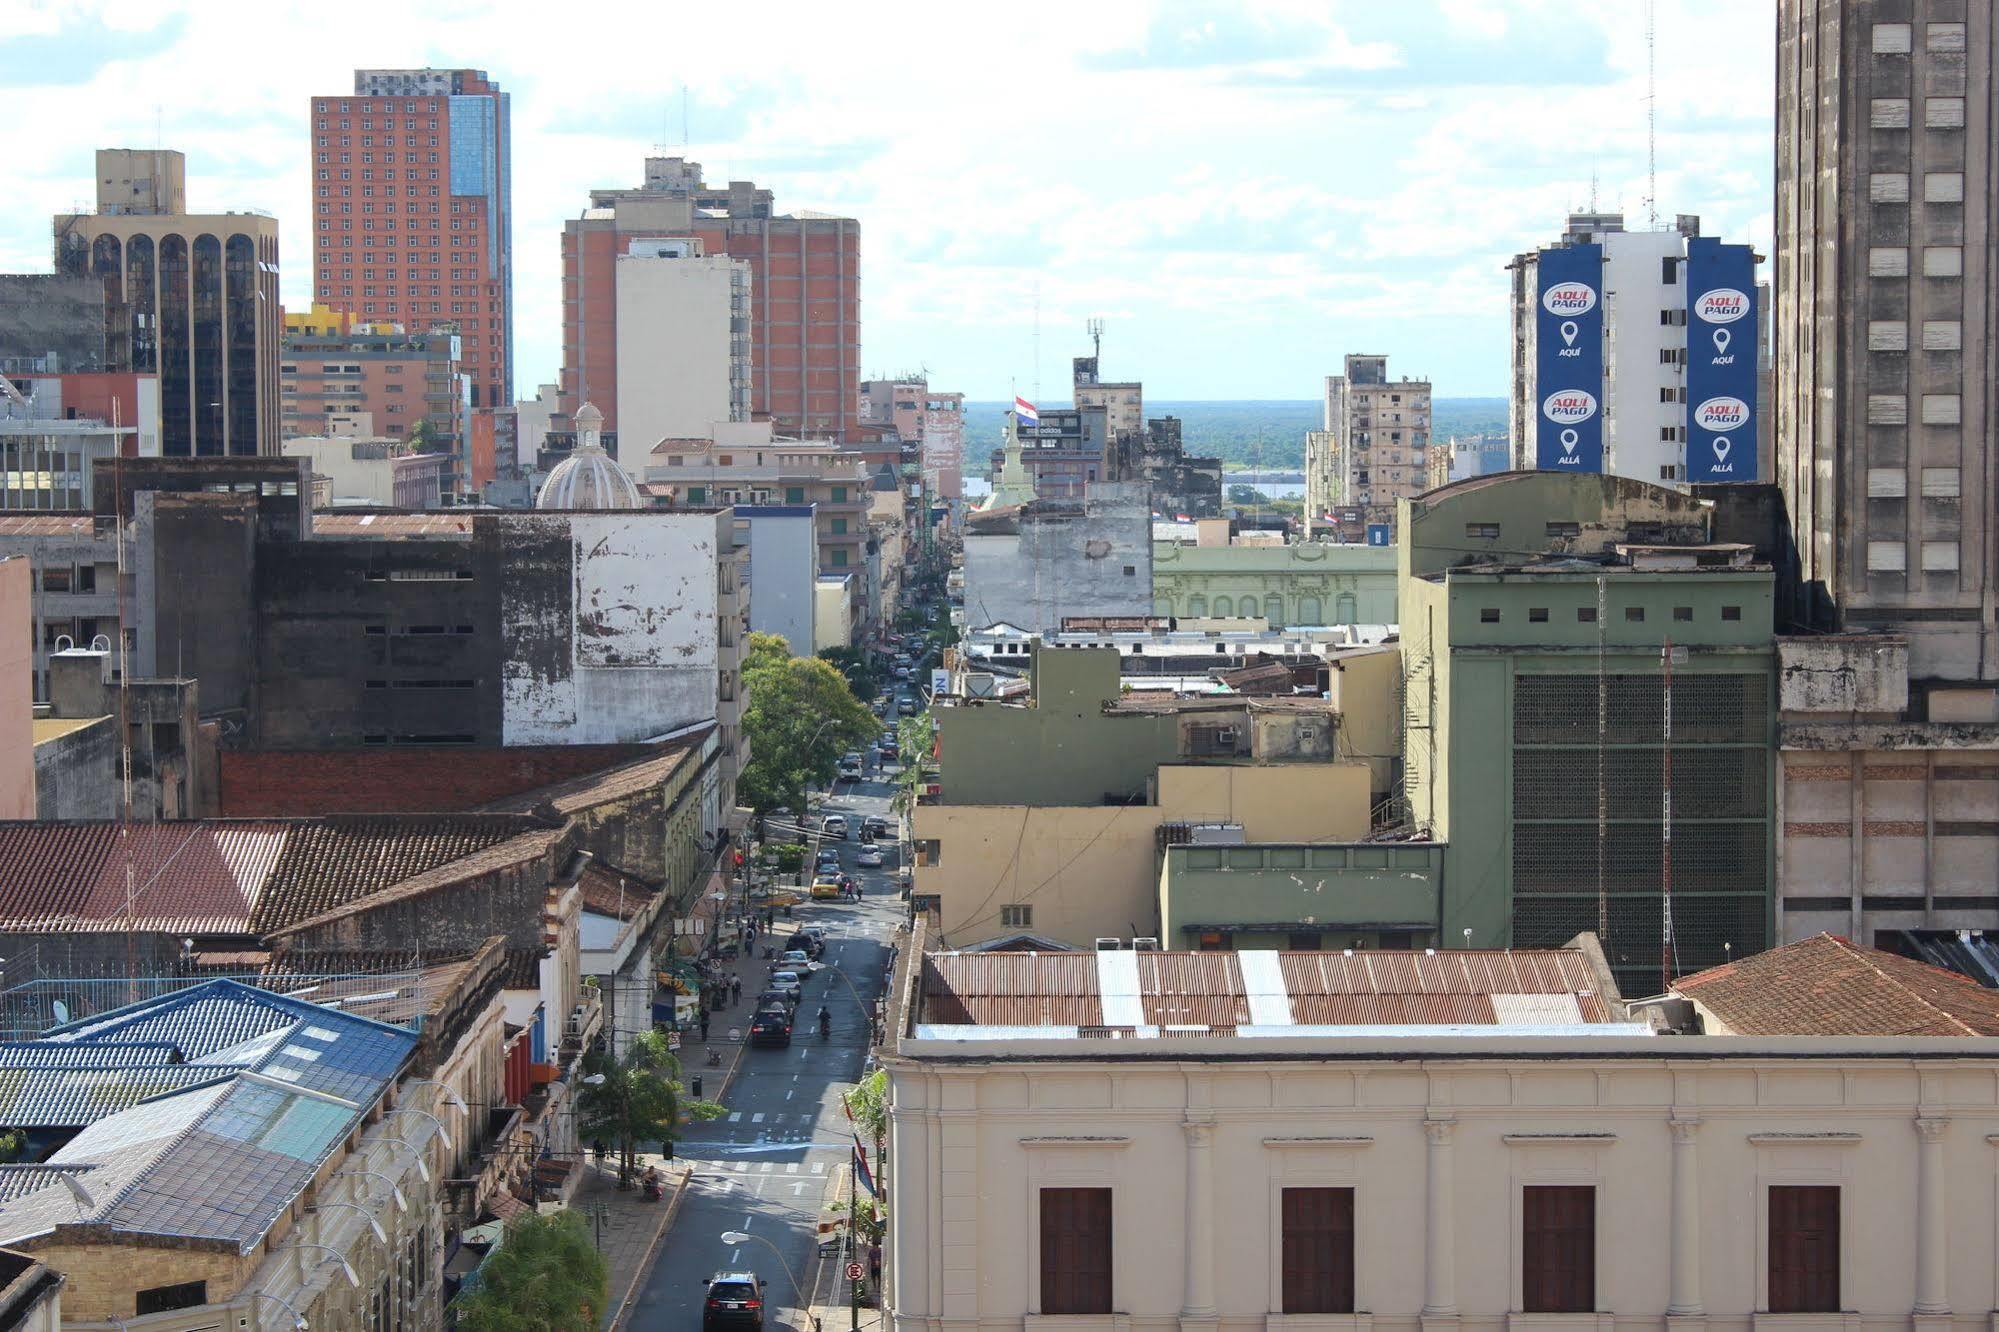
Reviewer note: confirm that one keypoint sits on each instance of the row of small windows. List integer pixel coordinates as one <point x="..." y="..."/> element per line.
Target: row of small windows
<point x="1899" y="38"/>
<point x="1587" y="614"/>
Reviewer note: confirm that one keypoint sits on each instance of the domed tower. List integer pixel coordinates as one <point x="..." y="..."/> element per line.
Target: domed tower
<point x="588" y="478"/>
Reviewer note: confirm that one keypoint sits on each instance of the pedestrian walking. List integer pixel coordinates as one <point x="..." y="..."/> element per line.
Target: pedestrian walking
<point x="735" y="988"/>
<point x="704" y="1023"/>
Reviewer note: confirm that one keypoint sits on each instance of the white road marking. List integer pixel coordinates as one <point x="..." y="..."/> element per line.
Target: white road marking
<point x="818" y="1167"/>
<point x="791" y="1167"/>
<point x="735" y="1117"/>
<point x="757" y="1118"/>
<point x="798" y="1188"/>
<point x="789" y="1094"/>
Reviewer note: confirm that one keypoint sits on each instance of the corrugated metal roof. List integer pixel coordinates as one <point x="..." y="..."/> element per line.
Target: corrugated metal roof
<point x="47" y="524"/>
<point x="334" y="524"/>
<point x="328" y="863"/>
<point x="73" y="1097"/>
<point x="1209" y="989"/>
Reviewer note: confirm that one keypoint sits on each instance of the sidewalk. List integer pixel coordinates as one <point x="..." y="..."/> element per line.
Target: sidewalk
<point x="624" y="1225"/>
<point x="631" y="1227"/>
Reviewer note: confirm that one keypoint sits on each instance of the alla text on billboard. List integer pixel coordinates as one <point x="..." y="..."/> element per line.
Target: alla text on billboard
<point x="1721" y="361"/>
<point x="1569" y="360"/>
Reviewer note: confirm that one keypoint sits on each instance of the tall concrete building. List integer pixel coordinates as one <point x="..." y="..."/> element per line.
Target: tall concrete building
<point x="804" y="323"/>
<point x="400" y="377"/>
<point x="1642" y="324"/>
<point x="1375" y="445"/>
<point x="1885" y="309"/>
<point x="412" y="207"/>
<point x="683" y="345"/>
<point x="191" y="297"/>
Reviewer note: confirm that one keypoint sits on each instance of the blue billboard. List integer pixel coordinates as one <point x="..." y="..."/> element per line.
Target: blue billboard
<point x="1568" y="372"/>
<point x="1721" y="361"/>
<point x="1378" y="534"/>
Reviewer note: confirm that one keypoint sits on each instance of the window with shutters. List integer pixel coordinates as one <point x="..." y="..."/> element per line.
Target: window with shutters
<point x="1804" y="1248"/>
<point x="1318" y="1251"/>
<point x="1558" y="1248"/>
<point x="1075" y="1251"/>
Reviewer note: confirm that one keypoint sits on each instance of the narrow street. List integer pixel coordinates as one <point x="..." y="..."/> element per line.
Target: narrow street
<point x="764" y="1168"/>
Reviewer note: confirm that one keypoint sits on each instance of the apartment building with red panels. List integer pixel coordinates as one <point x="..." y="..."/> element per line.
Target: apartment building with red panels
<point x="412" y="215"/>
<point x="805" y="302"/>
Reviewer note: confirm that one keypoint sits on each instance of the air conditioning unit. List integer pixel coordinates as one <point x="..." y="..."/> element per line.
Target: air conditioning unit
<point x="1110" y="945"/>
<point x="1225" y="735"/>
<point x="1145" y="943"/>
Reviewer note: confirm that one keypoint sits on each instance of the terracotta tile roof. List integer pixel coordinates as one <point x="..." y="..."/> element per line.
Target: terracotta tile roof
<point x="1519" y="987"/>
<point x="614" y="783"/>
<point x="526" y="845"/>
<point x="329" y="863"/>
<point x="197" y="877"/>
<point x="1829" y="986"/>
<point x="522" y="970"/>
<point x="611" y="892"/>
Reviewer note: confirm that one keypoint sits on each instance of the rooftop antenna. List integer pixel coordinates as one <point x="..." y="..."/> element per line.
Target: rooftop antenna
<point x="1652" y="113"/>
<point x="1096" y="328"/>
<point x="1037" y="339"/>
<point x="684" y="139"/>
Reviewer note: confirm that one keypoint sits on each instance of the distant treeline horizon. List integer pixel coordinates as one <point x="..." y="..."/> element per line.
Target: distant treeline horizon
<point x="1248" y="431"/>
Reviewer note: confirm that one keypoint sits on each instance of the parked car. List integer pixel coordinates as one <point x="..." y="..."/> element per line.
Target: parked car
<point x="850" y="767"/>
<point x="870" y="858"/>
<point x="771" y="1026"/>
<point x="735" y="1302"/>
<point x="812" y="945"/>
<point x="828" y="862"/>
<point x="816" y="933"/>
<point x="827" y="887"/>
<point x="906" y="706"/>
<point x="878" y="825"/>
<point x="798" y="960"/>
<point x="788" y="983"/>
<point x="834" y="826"/>
<point x="784" y="999"/>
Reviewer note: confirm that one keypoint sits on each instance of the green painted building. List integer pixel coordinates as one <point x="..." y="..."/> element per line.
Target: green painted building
<point x="1536" y="612"/>
<point x="1310" y="583"/>
<point x="1300" y="895"/>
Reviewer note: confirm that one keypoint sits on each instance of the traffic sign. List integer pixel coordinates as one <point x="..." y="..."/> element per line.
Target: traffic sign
<point x="853" y="1271"/>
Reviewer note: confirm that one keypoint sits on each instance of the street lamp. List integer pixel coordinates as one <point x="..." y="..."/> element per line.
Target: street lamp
<point x="298" y="1319"/>
<point x="395" y="1189"/>
<point x="436" y="1123"/>
<point x="366" y="1215"/>
<point x="422" y="1167"/>
<point x="744" y="1237"/>
<point x="456" y="1101"/>
<point x="333" y="1256"/>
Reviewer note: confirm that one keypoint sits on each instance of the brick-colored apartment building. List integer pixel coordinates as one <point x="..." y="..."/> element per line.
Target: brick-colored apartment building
<point x="412" y="215"/>
<point x="397" y="377"/>
<point x="805" y="303"/>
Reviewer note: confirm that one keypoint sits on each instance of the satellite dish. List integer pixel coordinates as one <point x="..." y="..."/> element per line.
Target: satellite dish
<point x="61" y="1011"/>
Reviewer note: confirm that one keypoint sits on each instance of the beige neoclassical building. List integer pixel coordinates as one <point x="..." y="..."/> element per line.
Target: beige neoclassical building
<point x="1332" y="1143"/>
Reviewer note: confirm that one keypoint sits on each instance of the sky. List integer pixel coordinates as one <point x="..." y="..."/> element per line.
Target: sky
<point x="1243" y="192"/>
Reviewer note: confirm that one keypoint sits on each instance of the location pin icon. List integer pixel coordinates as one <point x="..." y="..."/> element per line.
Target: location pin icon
<point x="1569" y="441"/>
<point x="1721" y="341"/>
<point x="1569" y="331"/>
<point x="1720" y="447"/>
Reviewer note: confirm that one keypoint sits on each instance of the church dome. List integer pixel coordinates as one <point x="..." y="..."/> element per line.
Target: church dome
<point x="588" y="478"/>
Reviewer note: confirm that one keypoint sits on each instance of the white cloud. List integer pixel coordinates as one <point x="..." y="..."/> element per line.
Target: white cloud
<point x="1246" y="192"/>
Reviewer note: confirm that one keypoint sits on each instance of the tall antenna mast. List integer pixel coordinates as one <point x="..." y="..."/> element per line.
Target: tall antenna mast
<point x="1096" y="328"/>
<point x="683" y="117"/>
<point x="1652" y="112"/>
<point x="1037" y="340"/>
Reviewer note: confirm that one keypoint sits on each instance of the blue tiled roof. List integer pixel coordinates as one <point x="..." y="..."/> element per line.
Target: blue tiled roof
<point x="73" y="1097"/>
<point x="49" y="1054"/>
<point x="216" y="1161"/>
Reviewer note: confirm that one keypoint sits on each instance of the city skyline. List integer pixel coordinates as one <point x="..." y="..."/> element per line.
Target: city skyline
<point x="1374" y="183"/>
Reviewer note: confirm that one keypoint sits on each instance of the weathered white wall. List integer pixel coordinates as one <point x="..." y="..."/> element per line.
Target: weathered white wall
<point x="1681" y="1148"/>
<point x="1065" y="564"/>
<point x="636" y="651"/>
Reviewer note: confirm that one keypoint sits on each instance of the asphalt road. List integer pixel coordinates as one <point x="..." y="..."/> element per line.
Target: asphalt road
<point x="763" y="1169"/>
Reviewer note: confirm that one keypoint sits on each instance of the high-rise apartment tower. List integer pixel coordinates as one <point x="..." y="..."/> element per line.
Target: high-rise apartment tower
<point x="412" y="214"/>
<point x="1885" y="317"/>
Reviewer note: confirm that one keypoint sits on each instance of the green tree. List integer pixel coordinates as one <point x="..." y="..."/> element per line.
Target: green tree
<point x="640" y="1100"/>
<point x="801" y="717"/>
<point x="853" y="665"/>
<point x="914" y="737"/>
<point x="422" y="440"/>
<point x="546" y="1276"/>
